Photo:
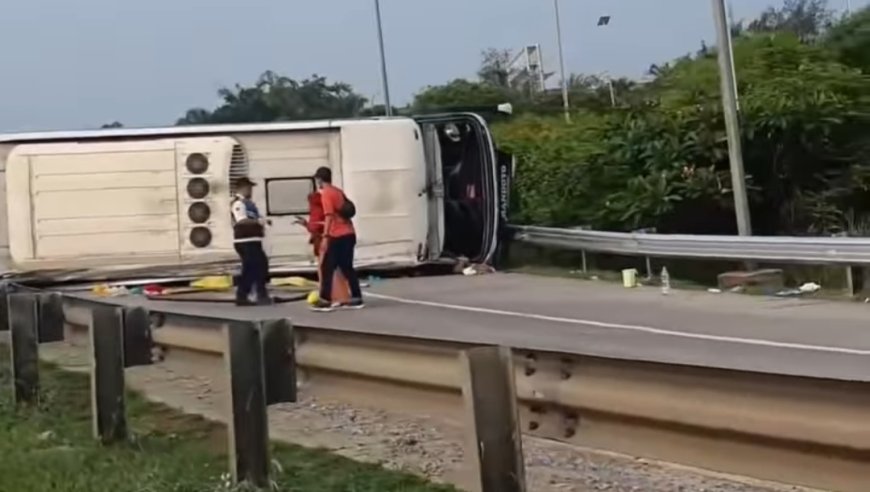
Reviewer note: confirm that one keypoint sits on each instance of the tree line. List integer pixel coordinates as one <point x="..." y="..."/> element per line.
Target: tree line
<point x="655" y="155"/>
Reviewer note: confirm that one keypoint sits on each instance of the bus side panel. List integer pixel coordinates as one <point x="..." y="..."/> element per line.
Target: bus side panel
<point x="283" y="165"/>
<point x="383" y="170"/>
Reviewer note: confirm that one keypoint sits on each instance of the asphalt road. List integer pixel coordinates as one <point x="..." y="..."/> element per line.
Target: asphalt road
<point x="772" y="335"/>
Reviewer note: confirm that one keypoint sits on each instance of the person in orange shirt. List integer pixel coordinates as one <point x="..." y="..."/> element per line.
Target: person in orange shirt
<point x="339" y="242"/>
<point x="315" y="224"/>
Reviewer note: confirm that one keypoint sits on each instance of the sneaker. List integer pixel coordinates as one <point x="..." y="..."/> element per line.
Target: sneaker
<point x="244" y="302"/>
<point x="322" y="306"/>
<point x="354" y="304"/>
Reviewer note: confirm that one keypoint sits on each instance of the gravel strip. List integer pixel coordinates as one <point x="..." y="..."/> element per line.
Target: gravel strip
<point x="422" y="446"/>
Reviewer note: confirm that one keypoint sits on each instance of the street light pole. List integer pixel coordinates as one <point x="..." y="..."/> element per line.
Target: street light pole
<point x="388" y="107"/>
<point x="728" y="84"/>
<point x="565" y="103"/>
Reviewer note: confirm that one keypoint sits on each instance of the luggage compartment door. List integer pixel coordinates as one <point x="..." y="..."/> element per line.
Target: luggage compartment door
<point x="87" y="203"/>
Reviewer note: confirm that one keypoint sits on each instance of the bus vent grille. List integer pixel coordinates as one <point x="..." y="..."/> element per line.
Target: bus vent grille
<point x="238" y="165"/>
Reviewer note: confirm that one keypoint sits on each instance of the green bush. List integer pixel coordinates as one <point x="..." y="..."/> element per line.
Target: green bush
<point x="664" y="163"/>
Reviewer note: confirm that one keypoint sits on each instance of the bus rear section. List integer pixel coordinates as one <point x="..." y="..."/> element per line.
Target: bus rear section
<point x="125" y="204"/>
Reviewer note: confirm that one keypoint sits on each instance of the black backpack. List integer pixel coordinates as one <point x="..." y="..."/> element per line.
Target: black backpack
<point x="347" y="211"/>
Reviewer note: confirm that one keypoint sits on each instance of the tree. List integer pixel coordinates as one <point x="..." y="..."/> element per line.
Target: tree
<point x="114" y="124"/>
<point x="850" y="40"/>
<point x="196" y="116"/>
<point x="592" y="92"/>
<point x="278" y="98"/>
<point x="807" y="19"/>
<point x="464" y="93"/>
<point x="495" y="69"/>
<point x="499" y="82"/>
<point x="378" y="110"/>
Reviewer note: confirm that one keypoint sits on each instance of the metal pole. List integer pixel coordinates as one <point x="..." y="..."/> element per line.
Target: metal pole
<point x="732" y="124"/>
<point x="565" y="103"/>
<point x="388" y="107"/>
<point x="730" y="15"/>
<point x="612" y="92"/>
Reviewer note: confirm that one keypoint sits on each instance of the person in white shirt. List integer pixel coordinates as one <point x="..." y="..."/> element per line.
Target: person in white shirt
<point x="248" y="234"/>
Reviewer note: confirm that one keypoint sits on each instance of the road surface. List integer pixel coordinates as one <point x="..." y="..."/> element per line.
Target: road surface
<point x="771" y="335"/>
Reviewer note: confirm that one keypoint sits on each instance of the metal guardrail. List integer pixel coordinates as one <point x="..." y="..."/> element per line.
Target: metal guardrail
<point x="790" y="429"/>
<point x="261" y="363"/>
<point x="816" y="250"/>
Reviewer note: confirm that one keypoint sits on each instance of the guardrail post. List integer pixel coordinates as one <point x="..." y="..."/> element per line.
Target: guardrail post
<point x="107" y="374"/>
<point x="23" y="319"/>
<point x="51" y="318"/>
<point x="647" y="260"/>
<point x="854" y="280"/>
<point x="248" y="424"/>
<point x="495" y="441"/>
<point x="138" y="341"/>
<point x="4" y="307"/>
<point x="279" y="361"/>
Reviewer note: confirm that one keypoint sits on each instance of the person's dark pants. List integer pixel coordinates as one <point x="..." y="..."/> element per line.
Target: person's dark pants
<point x="339" y="255"/>
<point x="255" y="271"/>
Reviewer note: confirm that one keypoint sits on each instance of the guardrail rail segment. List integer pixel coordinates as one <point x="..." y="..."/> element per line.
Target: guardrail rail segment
<point x="787" y="249"/>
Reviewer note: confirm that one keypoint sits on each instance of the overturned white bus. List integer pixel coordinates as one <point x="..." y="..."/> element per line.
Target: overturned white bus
<point x="122" y="202"/>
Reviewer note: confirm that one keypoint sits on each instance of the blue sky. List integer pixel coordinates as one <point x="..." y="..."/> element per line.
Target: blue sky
<point x="78" y="64"/>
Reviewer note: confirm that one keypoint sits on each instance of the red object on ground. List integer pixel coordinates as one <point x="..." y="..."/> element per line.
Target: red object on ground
<point x="152" y="289"/>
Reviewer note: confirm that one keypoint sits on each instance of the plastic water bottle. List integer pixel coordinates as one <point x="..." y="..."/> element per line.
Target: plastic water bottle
<point x="666" y="281"/>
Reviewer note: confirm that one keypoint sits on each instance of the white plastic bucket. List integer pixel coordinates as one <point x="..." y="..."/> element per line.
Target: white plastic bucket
<point x="629" y="278"/>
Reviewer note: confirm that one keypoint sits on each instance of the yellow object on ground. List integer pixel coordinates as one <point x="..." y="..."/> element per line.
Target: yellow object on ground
<point x="629" y="278"/>
<point x="313" y="297"/>
<point x="106" y="290"/>
<point x="292" y="282"/>
<point x="215" y="282"/>
<point x="101" y="290"/>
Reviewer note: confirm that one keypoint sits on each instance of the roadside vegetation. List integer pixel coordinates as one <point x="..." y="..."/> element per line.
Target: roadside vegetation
<point x="51" y="449"/>
<point x="659" y="159"/>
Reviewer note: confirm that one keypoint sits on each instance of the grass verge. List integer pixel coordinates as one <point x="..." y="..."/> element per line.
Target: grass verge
<point x="50" y="449"/>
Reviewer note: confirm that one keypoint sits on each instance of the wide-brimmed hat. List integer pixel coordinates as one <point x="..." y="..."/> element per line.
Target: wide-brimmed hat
<point x="244" y="180"/>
